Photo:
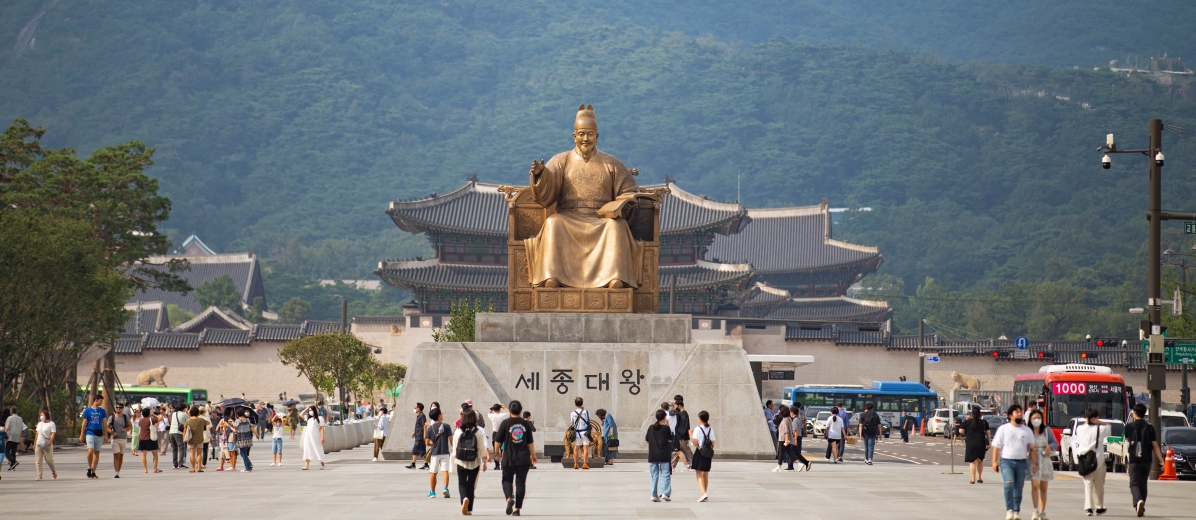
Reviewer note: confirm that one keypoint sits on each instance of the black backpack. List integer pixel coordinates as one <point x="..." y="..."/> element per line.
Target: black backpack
<point x="467" y="445"/>
<point x="706" y="450"/>
<point x="1137" y="447"/>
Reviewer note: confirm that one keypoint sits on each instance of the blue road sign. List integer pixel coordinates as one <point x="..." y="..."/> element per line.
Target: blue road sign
<point x="1022" y="343"/>
<point x="932" y="359"/>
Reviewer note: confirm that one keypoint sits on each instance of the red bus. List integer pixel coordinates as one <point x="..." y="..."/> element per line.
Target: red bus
<point x="1067" y="391"/>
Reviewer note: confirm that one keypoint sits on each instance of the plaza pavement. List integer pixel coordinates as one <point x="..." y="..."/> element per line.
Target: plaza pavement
<point x="353" y="487"/>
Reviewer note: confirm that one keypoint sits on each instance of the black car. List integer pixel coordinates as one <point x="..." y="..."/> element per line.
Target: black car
<point x="995" y="421"/>
<point x="1182" y="439"/>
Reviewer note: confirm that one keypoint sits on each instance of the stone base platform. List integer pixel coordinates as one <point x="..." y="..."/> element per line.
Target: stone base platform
<point x="626" y="364"/>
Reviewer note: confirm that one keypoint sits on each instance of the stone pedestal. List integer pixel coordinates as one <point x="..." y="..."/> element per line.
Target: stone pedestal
<point x="625" y="363"/>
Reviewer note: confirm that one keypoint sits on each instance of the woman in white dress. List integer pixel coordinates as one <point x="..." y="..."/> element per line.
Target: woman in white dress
<point x="313" y="448"/>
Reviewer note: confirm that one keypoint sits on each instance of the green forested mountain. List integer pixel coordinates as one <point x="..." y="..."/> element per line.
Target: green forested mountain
<point x="287" y="126"/>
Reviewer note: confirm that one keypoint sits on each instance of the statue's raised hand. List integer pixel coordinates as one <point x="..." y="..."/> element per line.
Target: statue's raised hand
<point x="537" y="168"/>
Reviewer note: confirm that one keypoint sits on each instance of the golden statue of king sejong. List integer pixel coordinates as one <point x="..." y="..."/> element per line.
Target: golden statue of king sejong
<point x="586" y="243"/>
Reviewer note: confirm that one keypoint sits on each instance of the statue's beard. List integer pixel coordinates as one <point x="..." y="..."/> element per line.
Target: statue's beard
<point x="586" y="151"/>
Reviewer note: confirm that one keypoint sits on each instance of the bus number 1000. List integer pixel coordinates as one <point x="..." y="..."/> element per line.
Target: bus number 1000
<point x="1069" y="388"/>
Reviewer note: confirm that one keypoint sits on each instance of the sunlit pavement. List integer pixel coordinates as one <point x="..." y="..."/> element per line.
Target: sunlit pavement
<point x="354" y="487"/>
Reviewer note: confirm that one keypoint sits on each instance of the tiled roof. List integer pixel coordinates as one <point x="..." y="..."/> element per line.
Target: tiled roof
<point x="379" y="319"/>
<point x="171" y="341"/>
<point x="788" y="239"/>
<point x="412" y="273"/>
<point x="320" y="327"/>
<point x="222" y="319"/>
<point x="128" y="344"/>
<point x="764" y="294"/>
<point x="832" y="309"/>
<point x="704" y="274"/>
<point x="277" y="332"/>
<point x="479" y="208"/>
<point x="242" y="268"/>
<point x="146" y="317"/>
<point x="225" y="337"/>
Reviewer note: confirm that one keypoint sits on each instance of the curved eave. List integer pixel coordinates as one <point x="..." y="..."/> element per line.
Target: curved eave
<point x="859" y="265"/>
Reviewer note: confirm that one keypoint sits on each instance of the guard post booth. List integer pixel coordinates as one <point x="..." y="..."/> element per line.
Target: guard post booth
<point x="779" y="368"/>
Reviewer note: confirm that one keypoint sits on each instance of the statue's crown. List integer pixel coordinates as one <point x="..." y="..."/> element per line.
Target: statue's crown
<point x="585" y="112"/>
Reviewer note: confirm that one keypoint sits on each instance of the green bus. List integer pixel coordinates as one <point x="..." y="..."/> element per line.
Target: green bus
<point x="129" y="394"/>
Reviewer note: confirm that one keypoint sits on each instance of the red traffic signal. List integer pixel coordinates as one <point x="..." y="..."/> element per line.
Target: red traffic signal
<point x="1040" y="354"/>
<point x="1083" y="355"/>
<point x="996" y="354"/>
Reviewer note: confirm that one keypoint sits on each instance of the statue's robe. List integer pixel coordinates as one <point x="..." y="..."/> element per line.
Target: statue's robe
<point x="576" y="246"/>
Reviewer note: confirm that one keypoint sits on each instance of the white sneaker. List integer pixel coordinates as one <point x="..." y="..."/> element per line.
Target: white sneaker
<point x="1008" y="514"/>
<point x="1035" y="515"/>
<point x="272" y="464"/>
<point x="667" y="498"/>
<point x="776" y="469"/>
<point x="375" y="459"/>
<point x="1017" y="515"/>
<point x="656" y="499"/>
<point x="1042" y="515"/>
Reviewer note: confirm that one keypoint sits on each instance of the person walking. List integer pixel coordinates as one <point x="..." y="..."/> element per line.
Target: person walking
<point x="244" y="438"/>
<point x="384" y="427"/>
<point x="1089" y="437"/>
<point x="518" y="456"/>
<point x="579" y="418"/>
<point x="418" y="449"/>
<point x="14" y="427"/>
<point x="769" y="415"/>
<point x="784" y="439"/>
<point x="681" y="431"/>
<point x="1013" y="444"/>
<point x="703" y="441"/>
<point x="118" y="427"/>
<point x="976" y="438"/>
<point x="178" y="448"/>
<point x="799" y="432"/>
<point x="497" y="415"/>
<point x="869" y="431"/>
<point x="470" y="455"/>
<point x="293" y="420"/>
<point x="313" y="431"/>
<point x="135" y="433"/>
<point x="610" y="436"/>
<point x="907" y="423"/>
<point x="439" y="437"/>
<point x="226" y="436"/>
<point x="193" y="435"/>
<point x="1143" y="444"/>
<point x="660" y="451"/>
<point x="92" y="432"/>
<point x="43" y="447"/>
<point x="1044" y="444"/>
<point x="147" y="438"/>
<point x="836" y="428"/>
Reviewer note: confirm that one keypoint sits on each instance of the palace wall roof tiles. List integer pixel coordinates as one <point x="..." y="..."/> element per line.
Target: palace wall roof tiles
<point x="788" y="239"/>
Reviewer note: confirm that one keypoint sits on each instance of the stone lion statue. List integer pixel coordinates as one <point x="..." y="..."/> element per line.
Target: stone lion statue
<point x="965" y="382"/>
<point x="152" y="376"/>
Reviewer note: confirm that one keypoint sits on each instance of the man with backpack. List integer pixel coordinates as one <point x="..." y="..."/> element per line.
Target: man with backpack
<point x="518" y="456"/>
<point x="681" y="429"/>
<point x="1144" y="453"/>
<point x="580" y="420"/>
<point x="439" y="436"/>
<point x="869" y="430"/>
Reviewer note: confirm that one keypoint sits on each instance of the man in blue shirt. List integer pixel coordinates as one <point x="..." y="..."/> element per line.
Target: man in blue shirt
<point x="768" y="416"/>
<point x="92" y="433"/>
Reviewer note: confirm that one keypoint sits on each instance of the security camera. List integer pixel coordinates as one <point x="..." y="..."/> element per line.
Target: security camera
<point x="1106" y="162"/>
<point x="1158" y="159"/>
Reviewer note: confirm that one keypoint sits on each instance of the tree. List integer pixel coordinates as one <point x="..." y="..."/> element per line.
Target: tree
<point x="308" y="356"/>
<point x="108" y="191"/>
<point x="219" y="292"/>
<point x="330" y="361"/>
<point x="58" y="299"/>
<point x="294" y="310"/>
<point x="462" y="321"/>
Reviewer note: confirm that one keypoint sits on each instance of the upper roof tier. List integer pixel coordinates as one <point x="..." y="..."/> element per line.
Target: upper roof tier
<point x="778" y="240"/>
<point x="241" y="267"/>
<point x="479" y="208"/>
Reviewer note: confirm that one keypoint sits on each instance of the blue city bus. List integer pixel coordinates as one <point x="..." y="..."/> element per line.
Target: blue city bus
<point x="891" y="397"/>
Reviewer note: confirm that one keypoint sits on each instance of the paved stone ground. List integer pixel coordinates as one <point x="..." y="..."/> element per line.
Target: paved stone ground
<point x="353" y="487"/>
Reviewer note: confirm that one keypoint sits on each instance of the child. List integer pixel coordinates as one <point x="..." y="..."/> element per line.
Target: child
<point x="276" y="449"/>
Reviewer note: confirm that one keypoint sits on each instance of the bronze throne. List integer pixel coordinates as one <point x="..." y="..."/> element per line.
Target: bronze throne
<point x="526" y="217"/>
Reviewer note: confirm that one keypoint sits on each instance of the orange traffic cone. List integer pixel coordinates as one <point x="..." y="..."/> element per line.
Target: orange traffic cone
<point x="1169" y="466"/>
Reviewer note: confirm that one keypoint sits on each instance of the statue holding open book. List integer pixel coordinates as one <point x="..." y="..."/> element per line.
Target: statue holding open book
<point x="583" y="223"/>
<point x="586" y="243"/>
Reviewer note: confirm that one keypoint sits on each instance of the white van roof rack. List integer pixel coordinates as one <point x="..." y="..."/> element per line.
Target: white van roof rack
<point x="1075" y="367"/>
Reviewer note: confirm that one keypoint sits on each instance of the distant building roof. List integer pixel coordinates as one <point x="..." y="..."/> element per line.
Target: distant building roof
<point x="213" y="318"/>
<point x="832" y="309"/>
<point x="789" y="239"/>
<point x="147" y="317"/>
<point x="241" y="267"/>
<point x="365" y="285"/>
<point x="193" y="246"/>
<point x="479" y="208"/>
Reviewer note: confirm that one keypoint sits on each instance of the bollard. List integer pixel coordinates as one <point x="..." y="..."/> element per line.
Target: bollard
<point x="1169" y="466"/>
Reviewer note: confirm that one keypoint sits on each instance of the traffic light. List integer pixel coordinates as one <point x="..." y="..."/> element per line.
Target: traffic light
<point x="1108" y="342"/>
<point x="1185" y="396"/>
